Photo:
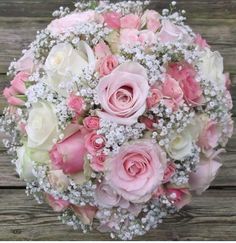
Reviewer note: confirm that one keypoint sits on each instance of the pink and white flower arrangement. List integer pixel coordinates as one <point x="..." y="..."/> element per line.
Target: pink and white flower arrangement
<point x="117" y="116"/>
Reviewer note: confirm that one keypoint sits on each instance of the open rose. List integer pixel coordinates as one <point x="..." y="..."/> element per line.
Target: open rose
<point x="137" y="170"/>
<point x="154" y="98"/>
<point x="123" y="94"/>
<point x="68" y="155"/>
<point x="94" y="142"/>
<point x="91" y="123"/>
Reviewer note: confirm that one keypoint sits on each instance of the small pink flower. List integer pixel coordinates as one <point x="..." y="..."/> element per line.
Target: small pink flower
<point x="94" y="142"/>
<point x="151" y="19"/>
<point x="130" y="21"/>
<point x="107" y="64"/>
<point x="112" y="19"/>
<point x="169" y="172"/>
<point x="76" y="104"/>
<point x="154" y="99"/>
<point x="68" y="155"/>
<point x="85" y="213"/>
<point x="148" y="122"/>
<point x="147" y="38"/>
<point x="129" y="37"/>
<point x="97" y="162"/>
<point x="91" y="123"/>
<point x="58" y="205"/>
<point x="102" y="50"/>
<point x="201" y="42"/>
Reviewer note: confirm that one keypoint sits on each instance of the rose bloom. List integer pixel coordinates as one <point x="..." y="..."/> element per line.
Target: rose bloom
<point x="94" y="142"/>
<point x="154" y="98"/>
<point x="85" y="213"/>
<point x="169" y="172"/>
<point x="68" y="155"/>
<point x="123" y="94"/>
<point x="201" y="42"/>
<point x="129" y="37"/>
<point x="147" y="38"/>
<point x="137" y="170"/>
<point x="58" y="205"/>
<point x="58" y="180"/>
<point x="97" y="162"/>
<point x="107" y="64"/>
<point x="42" y="126"/>
<point x="102" y="50"/>
<point x="130" y="21"/>
<point x="76" y="104"/>
<point x="112" y="19"/>
<point x="91" y="123"/>
<point x="151" y="19"/>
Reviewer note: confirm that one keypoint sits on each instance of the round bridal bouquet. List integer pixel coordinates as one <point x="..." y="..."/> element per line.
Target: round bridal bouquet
<point x="117" y="114"/>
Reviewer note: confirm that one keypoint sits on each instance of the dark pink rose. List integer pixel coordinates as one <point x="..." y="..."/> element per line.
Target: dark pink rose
<point x="94" y="142"/>
<point x="112" y="19"/>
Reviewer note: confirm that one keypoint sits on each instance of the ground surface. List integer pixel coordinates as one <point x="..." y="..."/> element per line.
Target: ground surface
<point x="210" y="217"/>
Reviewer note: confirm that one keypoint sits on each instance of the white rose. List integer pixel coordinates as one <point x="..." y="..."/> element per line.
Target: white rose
<point x="181" y="145"/>
<point x="212" y="67"/>
<point x="42" y="126"/>
<point x="65" y="62"/>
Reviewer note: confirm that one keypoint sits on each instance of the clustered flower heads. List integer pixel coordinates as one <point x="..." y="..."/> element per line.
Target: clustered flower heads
<point x="116" y="114"/>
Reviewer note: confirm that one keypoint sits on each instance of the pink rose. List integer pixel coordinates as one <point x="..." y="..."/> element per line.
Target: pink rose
<point x="67" y="23"/>
<point x="102" y="50"/>
<point x="137" y="170"/>
<point x="107" y="64"/>
<point x="58" y="205"/>
<point x="97" y="162"/>
<point x="76" y="104"/>
<point x="205" y="173"/>
<point x="58" y="180"/>
<point x="147" y="38"/>
<point x="9" y="94"/>
<point x="178" y="196"/>
<point x="123" y="94"/>
<point x="172" y="93"/>
<point x="210" y="135"/>
<point x="112" y="19"/>
<point x="94" y="142"/>
<point x="151" y="19"/>
<point x="26" y="62"/>
<point x="91" y="123"/>
<point x="154" y="99"/>
<point x="201" y="42"/>
<point x="68" y="155"/>
<point x="169" y="172"/>
<point x="185" y="74"/>
<point x="170" y="32"/>
<point x="106" y="197"/>
<point x="85" y="213"/>
<point x="130" y="21"/>
<point x="129" y="37"/>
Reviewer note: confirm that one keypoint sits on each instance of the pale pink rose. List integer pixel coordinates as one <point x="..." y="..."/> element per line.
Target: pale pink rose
<point x="129" y="37"/>
<point x="94" y="142"/>
<point x="85" y="213"/>
<point x="137" y="170"/>
<point x="169" y="172"/>
<point x="130" y="21"/>
<point x="178" y="196"/>
<point x="18" y="83"/>
<point x="185" y="74"/>
<point x="147" y="38"/>
<point x="91" y="123"/>
<point x="76" y="104"/>
<point x="171" y="32"/>
<point x="112" y="19"/>
<point x="154" y="99"/>
<point x="102" y="50"/>
<point x="201" y="42"/>
<point x="107" y="64"/>
<point x="106" y="197"/>
<point x="205" y="173"/>
<point x="58" y="180"/>
<point x="97" y="162"/>
<point x="172" y="93"/>
<point x="9" y="94"/>
<point x="58" y="205"/>
<point x="209" y="136"/>
<point x="151" y="19"/>
<point x="69" y="22"/>
<point x="68" y="155"/>
<point x="123" y="94"/>
<point x="26" y="62"/>
<point x="148" y="122"/>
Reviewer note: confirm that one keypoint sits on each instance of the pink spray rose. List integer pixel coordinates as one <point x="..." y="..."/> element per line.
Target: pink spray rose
<point x="91" y="123"/>
<point x="201" y="42"/>
<point x="68" y="155"/>
<point x="58" y="205"/>
<point x="112" y="19"/>
<point x="76" y="104"/>
<point x="154" y="98"/>
<point x="123" y="94"/>
<point x="169" y="172"/>
<point x="94" y="142"/>
<point x="85" y="213"/>
<point x="147" y="38"/>
<point x="151" y="19"/>
<point x="97" y="162"/>
<point x="205" y="173"/>
<point x="137" y="170"/>
<point x="130" y="21"/>
<point x="107" y="64"/>
<point x="210" y="135"/>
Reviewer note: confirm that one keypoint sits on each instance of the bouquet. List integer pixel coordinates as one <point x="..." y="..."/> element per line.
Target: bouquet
<point x="117" y="114"/>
